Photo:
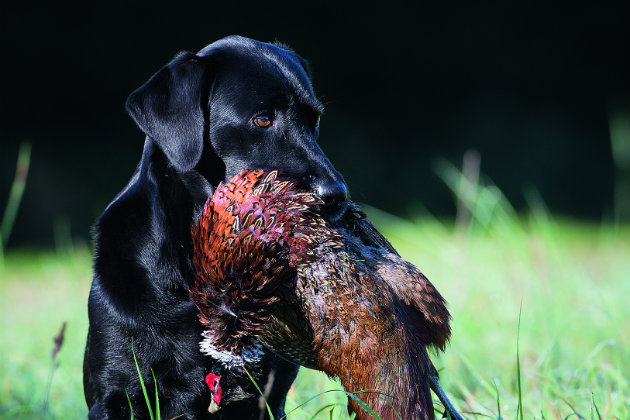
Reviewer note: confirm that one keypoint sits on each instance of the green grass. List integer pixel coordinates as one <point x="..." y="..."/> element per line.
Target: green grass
<point x="572" y="279"/>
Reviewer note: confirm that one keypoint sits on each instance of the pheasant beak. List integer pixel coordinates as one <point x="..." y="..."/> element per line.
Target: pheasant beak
<point x="213" y="408"/>
<point x="215" y="389"/>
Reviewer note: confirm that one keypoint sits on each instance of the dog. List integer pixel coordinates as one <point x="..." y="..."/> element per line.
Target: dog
<point x="236" y="103"/>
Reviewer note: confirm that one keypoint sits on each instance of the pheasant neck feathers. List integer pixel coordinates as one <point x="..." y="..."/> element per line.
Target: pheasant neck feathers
<point x="245" y="249"/>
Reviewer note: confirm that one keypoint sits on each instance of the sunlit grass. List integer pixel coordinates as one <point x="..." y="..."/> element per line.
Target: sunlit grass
<point x="574" y="283"/>
<point x="573" y="280"/>
<point x="38" y="292"/>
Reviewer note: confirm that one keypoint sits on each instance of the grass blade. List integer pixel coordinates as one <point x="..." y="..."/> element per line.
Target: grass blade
<point x="144" y="389"/>
<point x="363" y="405"/>
<point x="322" y="409"/>
<point x="309" y="400"/>
<point x="157" y="398"/>
<point x="518" y="366"/>
<point x="576" y="415"/>
<point x="599" y="416"/>
<point x="498" y="401"/>
<point x="260" y="392"/>
<point x="15" y="195"/>
<point x="130" y="407"/>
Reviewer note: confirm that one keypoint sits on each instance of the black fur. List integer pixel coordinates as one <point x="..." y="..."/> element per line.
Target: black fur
<point x="197" y="113"/>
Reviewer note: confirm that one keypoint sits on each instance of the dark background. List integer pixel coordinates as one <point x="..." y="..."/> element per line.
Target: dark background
<point x="530" y="86"/>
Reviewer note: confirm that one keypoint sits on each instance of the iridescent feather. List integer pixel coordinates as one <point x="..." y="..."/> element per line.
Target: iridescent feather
<point x="338" y="298"/>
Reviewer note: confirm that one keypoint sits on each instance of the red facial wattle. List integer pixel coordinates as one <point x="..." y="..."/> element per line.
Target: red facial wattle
<point x="213" y="383"/>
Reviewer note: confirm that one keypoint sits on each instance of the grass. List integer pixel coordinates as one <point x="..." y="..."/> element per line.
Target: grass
<point x="572" y="278"/>
<point x="15" y="196"/>
<point x="540" y="316"/>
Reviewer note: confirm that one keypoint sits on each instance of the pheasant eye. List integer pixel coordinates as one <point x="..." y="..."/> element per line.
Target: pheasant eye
<point x="263" y="121"/>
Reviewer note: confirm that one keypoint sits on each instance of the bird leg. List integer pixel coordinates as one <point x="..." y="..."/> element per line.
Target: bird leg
<point x="448" y="407"/>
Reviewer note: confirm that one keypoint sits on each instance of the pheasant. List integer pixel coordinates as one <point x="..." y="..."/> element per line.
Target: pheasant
<point x="271" y="271"/>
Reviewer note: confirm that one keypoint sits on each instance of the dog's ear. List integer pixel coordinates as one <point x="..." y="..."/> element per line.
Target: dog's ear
<point x="169" y="108"/>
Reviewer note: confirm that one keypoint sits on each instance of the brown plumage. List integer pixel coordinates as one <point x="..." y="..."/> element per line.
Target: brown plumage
<point x="337" y="298"/>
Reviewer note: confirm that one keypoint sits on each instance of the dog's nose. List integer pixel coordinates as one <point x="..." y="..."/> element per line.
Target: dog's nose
<point x="334" y="193"/>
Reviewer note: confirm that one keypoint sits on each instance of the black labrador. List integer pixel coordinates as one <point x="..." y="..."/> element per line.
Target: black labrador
<point x="236" y="103"/>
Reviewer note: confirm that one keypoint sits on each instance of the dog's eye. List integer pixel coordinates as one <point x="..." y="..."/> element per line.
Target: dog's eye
<point x="317" y="122"/>
<point x="263" y="121"/>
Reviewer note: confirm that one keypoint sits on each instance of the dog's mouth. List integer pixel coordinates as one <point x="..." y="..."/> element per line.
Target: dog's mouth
<point x="334" y="194"/>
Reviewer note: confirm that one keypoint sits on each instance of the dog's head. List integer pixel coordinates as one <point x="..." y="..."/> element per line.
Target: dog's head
<point x="239" y="103"/>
